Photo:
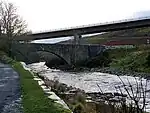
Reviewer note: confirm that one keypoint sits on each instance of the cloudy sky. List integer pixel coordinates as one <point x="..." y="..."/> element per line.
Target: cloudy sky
<point x="44" y="15"/>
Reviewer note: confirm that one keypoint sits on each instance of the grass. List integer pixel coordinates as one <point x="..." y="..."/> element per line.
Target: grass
<point x="34" y="100"/>
<point x="131" y="59"/>
<point x="96" y="40"/>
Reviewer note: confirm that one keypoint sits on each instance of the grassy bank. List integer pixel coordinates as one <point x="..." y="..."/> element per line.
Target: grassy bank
<point x="137" y="59"/>
<point x="34" y="100"/>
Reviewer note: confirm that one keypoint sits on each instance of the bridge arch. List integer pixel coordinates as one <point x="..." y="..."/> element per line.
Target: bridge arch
<point x="58" y="56"/>
<point x="70" y="54"/>
<point x="26" y="58"/>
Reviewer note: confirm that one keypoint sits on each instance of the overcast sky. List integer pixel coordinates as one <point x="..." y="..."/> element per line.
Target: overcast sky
<point x="44" y="15"/>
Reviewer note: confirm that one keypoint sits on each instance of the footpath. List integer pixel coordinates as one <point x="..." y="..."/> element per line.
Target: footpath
<point x="10" y="92"/>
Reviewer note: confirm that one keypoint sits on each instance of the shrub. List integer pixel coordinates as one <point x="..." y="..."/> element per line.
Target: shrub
<point x="101" y="60"/>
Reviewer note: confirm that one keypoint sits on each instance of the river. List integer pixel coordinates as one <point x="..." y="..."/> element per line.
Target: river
<point x="89" y="81"/>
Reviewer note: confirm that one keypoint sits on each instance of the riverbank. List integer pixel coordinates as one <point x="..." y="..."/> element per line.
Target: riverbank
<point x="111" y="70"/>
<point x="124" y="61"/>
<point x="93" y="82"/>
<point x="135" y="59"/>
<point x="120" y="61"/>
<point x="34" y="99"/>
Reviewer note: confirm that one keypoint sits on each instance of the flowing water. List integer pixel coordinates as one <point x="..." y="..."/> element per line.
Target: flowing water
<point x="89" y="81"/>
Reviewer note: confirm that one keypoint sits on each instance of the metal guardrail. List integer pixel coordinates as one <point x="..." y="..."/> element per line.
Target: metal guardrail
<point x="96" y="24"/>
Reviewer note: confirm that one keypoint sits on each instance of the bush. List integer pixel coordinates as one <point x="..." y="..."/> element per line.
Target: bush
<point x="4" y="45"/>
<point x="78" y="108"/>
<point x="101" y="60"/>
<point x="148" y="60"/>
<point x="137" y="60"/>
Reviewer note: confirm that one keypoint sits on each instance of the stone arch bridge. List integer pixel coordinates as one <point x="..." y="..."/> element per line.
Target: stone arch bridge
<point x="70" y="53"/>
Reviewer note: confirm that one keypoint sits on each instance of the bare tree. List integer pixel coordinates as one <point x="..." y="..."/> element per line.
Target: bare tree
<point x="136" y="94"/>
<point x="11" y="23"/>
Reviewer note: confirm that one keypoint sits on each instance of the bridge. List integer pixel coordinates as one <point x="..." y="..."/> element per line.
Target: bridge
<point x="70" y="54"/>
<point x="78" y="31"/>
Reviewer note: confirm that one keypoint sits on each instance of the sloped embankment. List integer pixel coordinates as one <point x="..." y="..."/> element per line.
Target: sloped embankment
<point x="137" y="60"/>
<point x="34" y="99"/>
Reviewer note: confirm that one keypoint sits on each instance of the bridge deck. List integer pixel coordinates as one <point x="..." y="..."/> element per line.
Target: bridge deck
<point x="90" y="29"/>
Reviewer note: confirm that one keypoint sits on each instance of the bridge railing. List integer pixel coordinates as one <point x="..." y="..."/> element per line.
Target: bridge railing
<point x="96" y="24"/>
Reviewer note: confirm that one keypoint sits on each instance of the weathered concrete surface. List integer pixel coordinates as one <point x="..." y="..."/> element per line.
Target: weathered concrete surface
<point x="10" y="94"/>
<point x="70" y="53"/>
<point x="90" y="29"/>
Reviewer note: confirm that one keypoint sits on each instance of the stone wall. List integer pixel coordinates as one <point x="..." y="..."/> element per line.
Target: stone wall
<point x="72" y="54"/>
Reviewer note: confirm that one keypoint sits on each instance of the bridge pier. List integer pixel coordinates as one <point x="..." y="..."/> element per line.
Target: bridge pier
<point x="77" y="38"/>
<point x="76" y="42"/>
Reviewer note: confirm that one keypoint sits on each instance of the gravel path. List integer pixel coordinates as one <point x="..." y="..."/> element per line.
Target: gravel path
<point x="10" y="94"/>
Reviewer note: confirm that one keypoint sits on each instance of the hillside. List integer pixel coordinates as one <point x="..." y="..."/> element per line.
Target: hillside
<point x="137" y="59"/>
<point x="130" y="35"/>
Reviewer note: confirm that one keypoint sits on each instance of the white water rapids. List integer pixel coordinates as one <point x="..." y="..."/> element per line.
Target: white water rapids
<point x="88" y="81"/>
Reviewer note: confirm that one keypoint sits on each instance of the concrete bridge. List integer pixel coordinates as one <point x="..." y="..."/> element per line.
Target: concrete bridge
<point x="70" y="53"/>
<point x="78" y="31"/>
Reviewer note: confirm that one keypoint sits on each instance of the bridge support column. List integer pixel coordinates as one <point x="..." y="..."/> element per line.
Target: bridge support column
<point x="77" y="38"/>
